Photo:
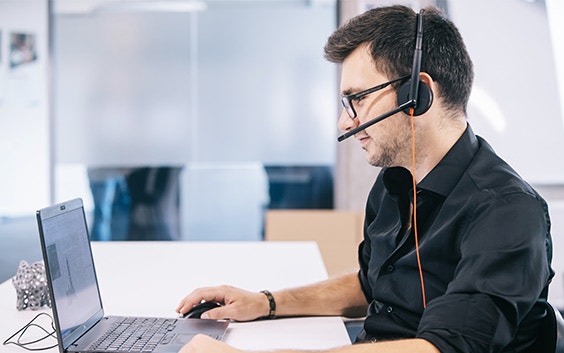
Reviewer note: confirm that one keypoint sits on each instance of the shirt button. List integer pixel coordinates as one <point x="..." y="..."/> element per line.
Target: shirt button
<point x="389" y="309"/>
<point x="390" y="268"/>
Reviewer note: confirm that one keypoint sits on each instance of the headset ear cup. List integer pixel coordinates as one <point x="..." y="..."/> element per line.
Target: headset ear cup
<point x="424" y="97"/>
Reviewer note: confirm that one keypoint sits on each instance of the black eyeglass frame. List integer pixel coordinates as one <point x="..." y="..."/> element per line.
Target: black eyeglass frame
<point x="347" y="101"/>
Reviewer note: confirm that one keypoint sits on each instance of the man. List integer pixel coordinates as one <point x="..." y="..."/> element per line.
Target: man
<point x="463" y="265"/>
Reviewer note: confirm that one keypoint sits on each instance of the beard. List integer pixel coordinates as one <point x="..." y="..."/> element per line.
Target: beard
<point x="386" y="158"/>
<point x="391" y="149"/>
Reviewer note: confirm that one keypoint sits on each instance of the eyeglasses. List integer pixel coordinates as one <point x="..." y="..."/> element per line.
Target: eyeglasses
<point x="347" y="100"/>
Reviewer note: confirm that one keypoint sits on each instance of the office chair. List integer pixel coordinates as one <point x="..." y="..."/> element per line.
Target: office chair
<point x="559" y="329"/>
<point x="550" y="333"/>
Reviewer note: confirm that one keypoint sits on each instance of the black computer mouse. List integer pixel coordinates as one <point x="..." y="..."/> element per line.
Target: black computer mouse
<point x="201" y="308"/>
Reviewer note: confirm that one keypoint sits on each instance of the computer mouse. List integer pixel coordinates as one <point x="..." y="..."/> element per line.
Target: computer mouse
<point x="199" y="309"/>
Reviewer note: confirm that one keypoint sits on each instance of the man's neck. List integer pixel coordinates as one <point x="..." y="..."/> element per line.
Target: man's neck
<point x="435" y="144"/>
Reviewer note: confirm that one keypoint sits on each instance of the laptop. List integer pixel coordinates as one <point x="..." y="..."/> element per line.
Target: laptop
<point x="80" y="322"/>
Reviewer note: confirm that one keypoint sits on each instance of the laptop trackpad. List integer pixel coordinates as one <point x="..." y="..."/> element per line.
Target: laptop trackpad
<point x="182" y="338"/>
<point x="176" y="342"/>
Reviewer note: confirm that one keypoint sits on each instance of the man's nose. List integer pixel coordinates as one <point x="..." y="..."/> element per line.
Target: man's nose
<point x="345" y="122"/>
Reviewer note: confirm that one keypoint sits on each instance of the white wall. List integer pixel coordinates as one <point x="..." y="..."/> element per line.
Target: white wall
<point x="555" y="9"/>
<point x="515" y="102"/>
<point x="556" y="202"/>
<point x="24" y="125"/>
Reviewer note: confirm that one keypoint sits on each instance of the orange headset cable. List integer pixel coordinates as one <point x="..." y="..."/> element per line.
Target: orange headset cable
<point x="411" y="112"/>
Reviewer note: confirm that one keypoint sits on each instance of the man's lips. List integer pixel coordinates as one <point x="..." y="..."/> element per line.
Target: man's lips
<point x="363" y="139"/>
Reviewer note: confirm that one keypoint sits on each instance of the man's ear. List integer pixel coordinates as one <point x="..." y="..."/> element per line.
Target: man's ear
<point x="424" y="96"/>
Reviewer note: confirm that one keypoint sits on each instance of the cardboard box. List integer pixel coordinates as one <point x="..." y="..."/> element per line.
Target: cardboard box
<point x="337" y="234"/>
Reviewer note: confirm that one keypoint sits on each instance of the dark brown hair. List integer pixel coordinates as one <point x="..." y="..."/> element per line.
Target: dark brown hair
<point x="389" y="33"/>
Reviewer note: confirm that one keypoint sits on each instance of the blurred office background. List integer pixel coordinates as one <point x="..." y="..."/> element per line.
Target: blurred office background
<point x="189" y="119"/>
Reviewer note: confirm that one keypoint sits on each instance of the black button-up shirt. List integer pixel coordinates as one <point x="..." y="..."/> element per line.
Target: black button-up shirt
<point x="485" y="247"/>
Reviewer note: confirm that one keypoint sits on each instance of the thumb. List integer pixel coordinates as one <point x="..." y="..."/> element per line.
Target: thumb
<point x="216" y="314"/>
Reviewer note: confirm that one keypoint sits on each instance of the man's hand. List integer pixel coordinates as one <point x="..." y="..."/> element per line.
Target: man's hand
<point x="340" y="295"/>
<point x="237" y="304"/>
<point x="206" y="344"/>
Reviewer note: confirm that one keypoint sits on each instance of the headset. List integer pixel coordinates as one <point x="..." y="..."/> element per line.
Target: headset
<point x="419" y="94"/>
<point x="413" y="94"/>
<point x="422" y="97"/>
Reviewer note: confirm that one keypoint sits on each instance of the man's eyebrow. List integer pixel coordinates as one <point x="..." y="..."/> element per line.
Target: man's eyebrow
<point x="347" y="92"/>
<point x="352" y="90"/>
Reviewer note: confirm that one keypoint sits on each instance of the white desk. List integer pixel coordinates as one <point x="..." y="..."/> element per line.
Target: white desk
<point x="150" y="278"/>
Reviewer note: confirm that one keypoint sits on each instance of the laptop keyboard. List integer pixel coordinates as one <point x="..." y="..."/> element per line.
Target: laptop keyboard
<point x="135" y="335"/>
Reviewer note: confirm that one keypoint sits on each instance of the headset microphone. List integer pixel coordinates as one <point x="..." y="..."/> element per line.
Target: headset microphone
<point x="359" y="128"/>
<point x="412" y="94"/>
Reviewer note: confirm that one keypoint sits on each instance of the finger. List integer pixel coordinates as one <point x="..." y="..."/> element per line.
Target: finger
<point x="191" y="299"/>
<point x="215" y="294"/>
<point x="236" y="312"/>
<point x="188" y="302"/>
<point x="221" y="313"/>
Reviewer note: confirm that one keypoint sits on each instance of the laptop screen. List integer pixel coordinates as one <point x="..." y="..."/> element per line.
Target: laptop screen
<point x="66" y="248"/>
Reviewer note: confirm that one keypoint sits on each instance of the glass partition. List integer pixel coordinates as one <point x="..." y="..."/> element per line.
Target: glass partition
<point x="210" y="93"/>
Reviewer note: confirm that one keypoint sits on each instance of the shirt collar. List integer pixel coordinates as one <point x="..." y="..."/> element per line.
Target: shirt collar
<point x="448" y="172"/>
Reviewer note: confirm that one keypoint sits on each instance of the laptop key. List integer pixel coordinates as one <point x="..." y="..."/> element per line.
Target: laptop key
<point x="168" y="338"/>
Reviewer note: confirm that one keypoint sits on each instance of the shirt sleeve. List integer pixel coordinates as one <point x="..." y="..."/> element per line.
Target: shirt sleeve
<point x="363" y="256"/>
<point x="504" y="267"/>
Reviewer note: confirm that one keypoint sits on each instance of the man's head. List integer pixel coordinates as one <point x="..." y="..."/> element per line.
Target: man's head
<point x="389" y="34"/>
<point x="377" y="47"/>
